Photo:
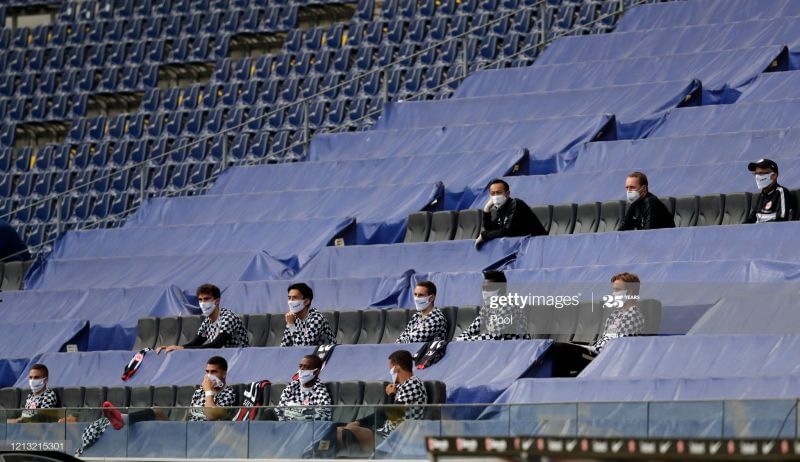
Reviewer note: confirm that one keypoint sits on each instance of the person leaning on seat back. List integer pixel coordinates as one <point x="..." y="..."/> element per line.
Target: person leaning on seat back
<point x="774" y="203"/>
<point x="645" y="210"/>
<point x="221" y="328"/>
<point x="504" y="216"/>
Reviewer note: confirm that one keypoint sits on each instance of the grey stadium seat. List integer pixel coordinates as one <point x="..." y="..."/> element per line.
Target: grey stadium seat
<point x="451" y="314"/>
<point x="686" y="211"/>
<point x="275" y="392"/>
<point x="169" y="330"/>
<point x="348" y="327"/>
<point x="93" y="398"/>
<point x="146" y="333"/>
<point x="737" y="207"/>
<point x="14" y="274"/>
<point x="118" y="396"/>
<point x="464" y="317"/>
<point x="349" y="393"/>
<point x="333" y="319"/>
<point x="651" y="310"/>
<point x="587" y="218"/>
<point x="396" y="321"/>
<point x="372" y="325"/>
<point x="258" y="329"/>
<point x="669" y="203"/>
<point x="437" y="394"/>
<point x="611" y="215"/>
<point x="711" y="210"/>
<point x="10" y="398"/>
<point x="277" y="322"/>
<point x="563" y="325"/>
<point x="164" y="396"/>
<point x="545" y="214"/>
<point x="540" y="322"/>
<point x="183" y="399"/>
<point x="418" y="227"/>
<point x="189" y="327"/>
<point x="443" y="226"/>
<point x="589" y="323"/>
<point x="470" y="222"/>
<point x="374" y="395"/>
<point x="563" y="219"/>
<point x="72" y="399"/>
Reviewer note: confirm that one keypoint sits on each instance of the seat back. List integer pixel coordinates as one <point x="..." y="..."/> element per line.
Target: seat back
<point x="464" y="317"/>
<point x="686" y="211"/>
<point x="348" y="327"/>
<point x="119" y="396"/>
<point x="587" y="218"/>
<point x="737" y="208"/>
<point x="189" y="327"/>
<point x="470" y="222"/>
<point x="651" y="310"/>
<point x="443" y="226"/>
<point x="545" y="215"/>
<point x="349" y="393"/>
<point x="711" y="210"/>
<point x="146" y="333"/>
<point x="418" y="227"/>
<point x="258" y="329"/>
<point x="396" y="321"/>
<point x="372" y="326"/>
<point x="277" y="322"/>
<point x="589" y="323"/>
<point x="451" y="314"/>
<point x="169" y="330"/>
<point x="563" y="219"/>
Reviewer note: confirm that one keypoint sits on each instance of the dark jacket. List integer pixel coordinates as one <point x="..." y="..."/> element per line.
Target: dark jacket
<point x="776" y="204"/>
<point x="647" y="212"/>
<point x="514" y="218"/>
<point x="11" y="246"/>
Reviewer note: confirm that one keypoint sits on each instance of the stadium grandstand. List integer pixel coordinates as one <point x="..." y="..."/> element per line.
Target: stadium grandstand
<point x="508" y="219"/>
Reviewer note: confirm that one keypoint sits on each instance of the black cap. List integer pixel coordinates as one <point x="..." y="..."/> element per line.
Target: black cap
<point x="763" y="163"/>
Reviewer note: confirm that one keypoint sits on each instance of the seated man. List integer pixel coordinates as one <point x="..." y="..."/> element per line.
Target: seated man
<point x="301" y="399"/>
<point x="405" y="388"/>
<point x="209" y="402"/>
<point x="221" y="328"/>
<point x="12" y="247"/>
<point x="495" y="320"/>
<point x="305" y="326"/>
<point x="774" y="202"/>
<point x="428" y="323"/>
<point x="40" y="397"/>
<point x="504" y="216"/>
<point x="645" y="210"/>
<point x="626" y="320"/>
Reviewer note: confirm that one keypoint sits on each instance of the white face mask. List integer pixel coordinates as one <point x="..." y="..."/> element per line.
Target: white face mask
<point x="305" y="376"/>
<point x="296" y="306"/>
<point x="207" y="308"/>
<point x="632" y="196"/>
<point x="393" y="374"/>
<point x="762" y="181"/>
<point x="216" y="381"/>
<point x="499" y="200"/>
<point x="36" y="385"/>
<point x="487" y="295"/>
<point x="420" y="303"/>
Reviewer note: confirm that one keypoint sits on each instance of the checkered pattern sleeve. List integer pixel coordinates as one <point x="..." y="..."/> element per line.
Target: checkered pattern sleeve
<point x="623" y="322"/>
<point x="230" y="322"/>
<point x="410" y="392"/>
<point x="472" y="332"/>
<point x="46" y="400"/>
<point x="224" y="398"/>
<point x="425" y="328"/>
<point x="292" y="405"/>
<point x="312" y="331"/>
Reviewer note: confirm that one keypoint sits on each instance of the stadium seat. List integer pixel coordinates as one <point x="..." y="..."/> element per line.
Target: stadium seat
<point x="72" y="397"/>
<point x="164" y="396"/>
<point x="669" y="203"/>
<point x="563" y="221"/>
<point x="119" y="396"/>
<point x="257" y="328"/>
<point x="189" y="327"/>
<point x="10" y="398"/>
<point x="587" y="218"/>
<point x="651" y="310"/>
<point x="563" y="323"/>
<point x="169" y="331"/>
<point x="451" y="314"/>
<point x="443" y="226"/>
<point x="396" y="321"/>
<point x="93" y="398"/>
<point x="277" y="323"/>
<point x="470" y="222"/>
<point x="737" y="208"/>
<point x="545" y="215"/>
<point x="437" y="394"/>
<point x="14" y="274"/>
<point x="146" y="333"/>
<point x="372" y="326"/>
<point x="589" y="323"/>
<point x="464" y="317"/>
<point x="349" y="393"/>
<point x="418" y="228"/>
<point x="141" y="397"/>
<point x="611" y="215"/>
<point x="686" y="211"/>
<point x="348" y="327"/>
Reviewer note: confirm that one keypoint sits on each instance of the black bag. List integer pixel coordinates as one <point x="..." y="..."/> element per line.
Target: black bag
<point x="252" y="399"/>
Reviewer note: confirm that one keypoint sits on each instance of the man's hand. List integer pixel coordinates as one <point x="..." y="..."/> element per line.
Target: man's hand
<point x="167" y="349"/>
<point x="488" y="207"/>
<point x="390" y="389"/>
<point x="207" y="385"/>
<point x="69" y="418"/>
<point x="479" y="242"/>
<point x="290" y="318"/>
<point x="12" y="421"/>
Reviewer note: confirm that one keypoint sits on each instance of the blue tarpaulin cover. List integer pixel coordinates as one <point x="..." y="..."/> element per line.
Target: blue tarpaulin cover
<point x="671" y="14"/>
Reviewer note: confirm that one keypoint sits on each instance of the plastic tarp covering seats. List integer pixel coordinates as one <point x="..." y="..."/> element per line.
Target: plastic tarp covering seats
<point x="26" y="339"/>
<point x="395" y="259"/>
<point x="465" y="382"/>
<point x="544" y="139"/>
<point x="662" y="245"/>
<point x="466" y="173"/>
<point x="743" y="311"/>
<point x="722" y="74"/>
<point x="341" y="294"/>
<point x="629" y="103"/>
<point x="773" y="86"/>
<point x="729" y="118"/>
<point x="113" y="312"/>
<point x="10" y="370"/>
<point x="606" y="185"/>
<point x="183" y="271"/>
<point x="672" y="14"/>
<point x="702" y="149"/>
<point x="292" y="242"/>
<point x="380" y="211"/>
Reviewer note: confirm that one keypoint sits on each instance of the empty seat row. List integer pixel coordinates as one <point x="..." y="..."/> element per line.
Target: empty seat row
<point x="84" y="402"/>
<point x="591" y="217"/>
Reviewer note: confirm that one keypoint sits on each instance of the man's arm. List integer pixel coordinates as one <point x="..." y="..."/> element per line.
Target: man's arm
<point x="322" y="411"/>
<point x="784" y="206"/>
<point x="751" y="217"/>
<point x="218" y="342"/>
<point x="507" y="225"/>
<point x="472" y="331"/>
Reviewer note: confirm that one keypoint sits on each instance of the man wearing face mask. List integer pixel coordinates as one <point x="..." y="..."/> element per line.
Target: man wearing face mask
<point x="305" y="326"/>
<point x="626" y="320"/>
<point x="302" y="398"/>
<point x="645" y="210"/>
<point x="427" y="323"/>
<point x="504" y="216"/>
<point x="495" y="320"/>
<point x="774" y="203"/>
<point x="221" y="328"/>
<point x="40" y="397"/>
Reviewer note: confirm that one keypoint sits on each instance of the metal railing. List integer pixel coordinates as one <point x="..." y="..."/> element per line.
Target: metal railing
<point x="539" y="6"/>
